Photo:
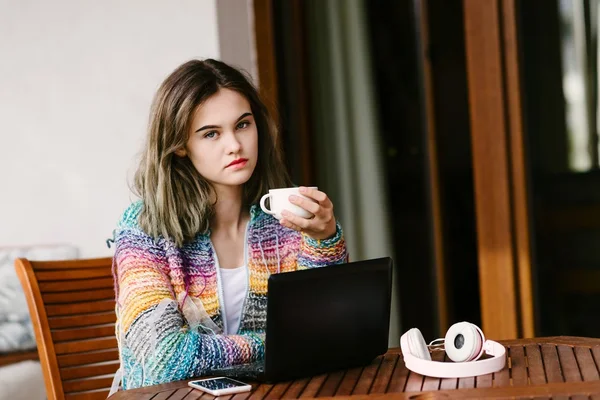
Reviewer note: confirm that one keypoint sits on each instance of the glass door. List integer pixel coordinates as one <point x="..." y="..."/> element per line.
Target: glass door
<point x="559" y="45"/>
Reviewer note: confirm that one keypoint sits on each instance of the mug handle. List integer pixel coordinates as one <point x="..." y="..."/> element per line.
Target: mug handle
<point x="262" y="203"/>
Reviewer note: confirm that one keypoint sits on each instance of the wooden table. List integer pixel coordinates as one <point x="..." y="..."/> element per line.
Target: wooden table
<point x="542" y="368"/>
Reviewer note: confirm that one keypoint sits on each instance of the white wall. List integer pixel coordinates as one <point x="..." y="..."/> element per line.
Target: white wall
<point x="76" y="82"/>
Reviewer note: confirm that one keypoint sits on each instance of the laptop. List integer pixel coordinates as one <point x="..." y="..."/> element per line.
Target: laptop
<point x="324" y="319"/>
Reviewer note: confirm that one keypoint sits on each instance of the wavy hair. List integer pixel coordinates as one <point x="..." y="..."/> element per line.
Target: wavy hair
<point x="176" y="198"/>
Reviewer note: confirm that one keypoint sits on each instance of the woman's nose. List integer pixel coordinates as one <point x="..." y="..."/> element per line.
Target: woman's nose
<point x="233" y="144"/>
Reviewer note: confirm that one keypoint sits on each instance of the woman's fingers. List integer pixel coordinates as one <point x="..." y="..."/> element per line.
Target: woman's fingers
<point x="316" y="195"/>
<point x="306" y="204"/>
<point x="294" y="219"/>
<point x="290" y="225"/>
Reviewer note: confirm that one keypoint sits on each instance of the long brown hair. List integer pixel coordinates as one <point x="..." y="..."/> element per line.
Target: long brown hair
<point x="176" y="198"/>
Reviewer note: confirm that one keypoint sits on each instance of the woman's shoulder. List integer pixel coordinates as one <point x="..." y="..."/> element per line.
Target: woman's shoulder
<point x="129" y="224"/>
<point x="129" y="231"/>
<point x="130" y="217"/>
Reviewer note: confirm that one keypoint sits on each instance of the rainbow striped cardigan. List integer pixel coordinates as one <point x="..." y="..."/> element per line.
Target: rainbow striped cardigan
<point x="170" y="321"/>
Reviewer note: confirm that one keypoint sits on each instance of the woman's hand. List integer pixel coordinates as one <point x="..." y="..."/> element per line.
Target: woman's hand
<point x="322" y="226"/>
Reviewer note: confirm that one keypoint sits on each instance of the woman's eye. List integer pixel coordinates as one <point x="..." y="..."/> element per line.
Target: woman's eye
<point x="243" y="124"/>
<point x="210" y="135"/>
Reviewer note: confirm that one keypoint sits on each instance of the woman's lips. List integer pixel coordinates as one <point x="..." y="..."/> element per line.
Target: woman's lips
<point x="239" y="163"/>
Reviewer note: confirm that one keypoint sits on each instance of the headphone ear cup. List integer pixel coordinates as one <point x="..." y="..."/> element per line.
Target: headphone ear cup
<point x="464" y="342"/>
<point x="417" y="345"/>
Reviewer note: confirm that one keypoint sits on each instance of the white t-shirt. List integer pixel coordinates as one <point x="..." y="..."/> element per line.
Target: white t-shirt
<point x="235" y="285"/>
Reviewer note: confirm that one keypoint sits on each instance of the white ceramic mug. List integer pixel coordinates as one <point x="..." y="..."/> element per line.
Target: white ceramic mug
<point x="279" y="200"/>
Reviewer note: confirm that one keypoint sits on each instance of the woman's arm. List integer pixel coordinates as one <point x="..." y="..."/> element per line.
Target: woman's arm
<point x="319" y="253"/>
<point x="154" y="332"/>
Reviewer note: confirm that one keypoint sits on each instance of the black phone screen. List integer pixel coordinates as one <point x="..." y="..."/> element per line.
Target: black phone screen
<point x="219" y="383"/>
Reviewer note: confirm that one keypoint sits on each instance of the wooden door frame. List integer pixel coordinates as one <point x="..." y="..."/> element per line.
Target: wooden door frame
<point x="264" y="34"/>
<point x="491" y="44"/>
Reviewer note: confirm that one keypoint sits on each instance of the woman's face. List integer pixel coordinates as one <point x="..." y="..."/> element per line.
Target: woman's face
<point x="223" y="140"/>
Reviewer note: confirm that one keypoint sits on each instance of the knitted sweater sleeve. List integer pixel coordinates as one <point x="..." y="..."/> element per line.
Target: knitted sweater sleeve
<point x="319" y="253"/>
<point x="157" y="343"/>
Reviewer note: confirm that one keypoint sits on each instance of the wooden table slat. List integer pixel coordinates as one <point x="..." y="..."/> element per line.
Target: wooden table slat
<point x="164" y="395"/>
<point x="295" y="388"/>
<point x="277" y="391"/>
<point x="198" y="395"/>
<point x="587" y="366"/>
<point x="313" y="387"/>
<point x="180" y="394"/>
<point x="430" y="383"/>
<point x="237" y="396"/>
<point x="399" y="377"/>
<point x="195" y="395"/>
<point x="551" y="363"/>
<point x="568" y="364"/>
<point x="367" y="377"/>
<point x="382" y="380"/>
<point x="483" y="381"/>
<point x="596" y="355"/>
<point x="535" y="364"/>
<point x="501" y="378"/>
<point x="448" y="383"/>
<point x="518" y="367"/>
<point x="414" y="382"/>
<point x="260" y="392"/>
<point x="466" y="383"/>
<point x="331" y="384"/>
<point x="349" y="382"/>
<point x="138" y="396"/>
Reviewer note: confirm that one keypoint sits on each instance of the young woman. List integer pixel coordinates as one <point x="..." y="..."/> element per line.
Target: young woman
<point x="193" y="256"/>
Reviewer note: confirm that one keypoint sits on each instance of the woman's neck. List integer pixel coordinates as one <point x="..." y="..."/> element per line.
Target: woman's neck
<point x="230" y="214"/>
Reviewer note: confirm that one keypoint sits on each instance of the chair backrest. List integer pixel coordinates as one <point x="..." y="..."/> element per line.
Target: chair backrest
<point x="72" y="307"/>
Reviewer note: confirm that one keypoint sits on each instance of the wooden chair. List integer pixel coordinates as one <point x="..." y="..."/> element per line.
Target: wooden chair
<point x="18" y="356"/>
<point x="72" y="307"/>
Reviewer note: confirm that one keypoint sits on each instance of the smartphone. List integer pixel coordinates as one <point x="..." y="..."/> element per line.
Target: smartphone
<point x="220" y="386"/>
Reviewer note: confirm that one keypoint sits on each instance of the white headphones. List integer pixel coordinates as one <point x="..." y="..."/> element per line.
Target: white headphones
<point x="464" y="343"/>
